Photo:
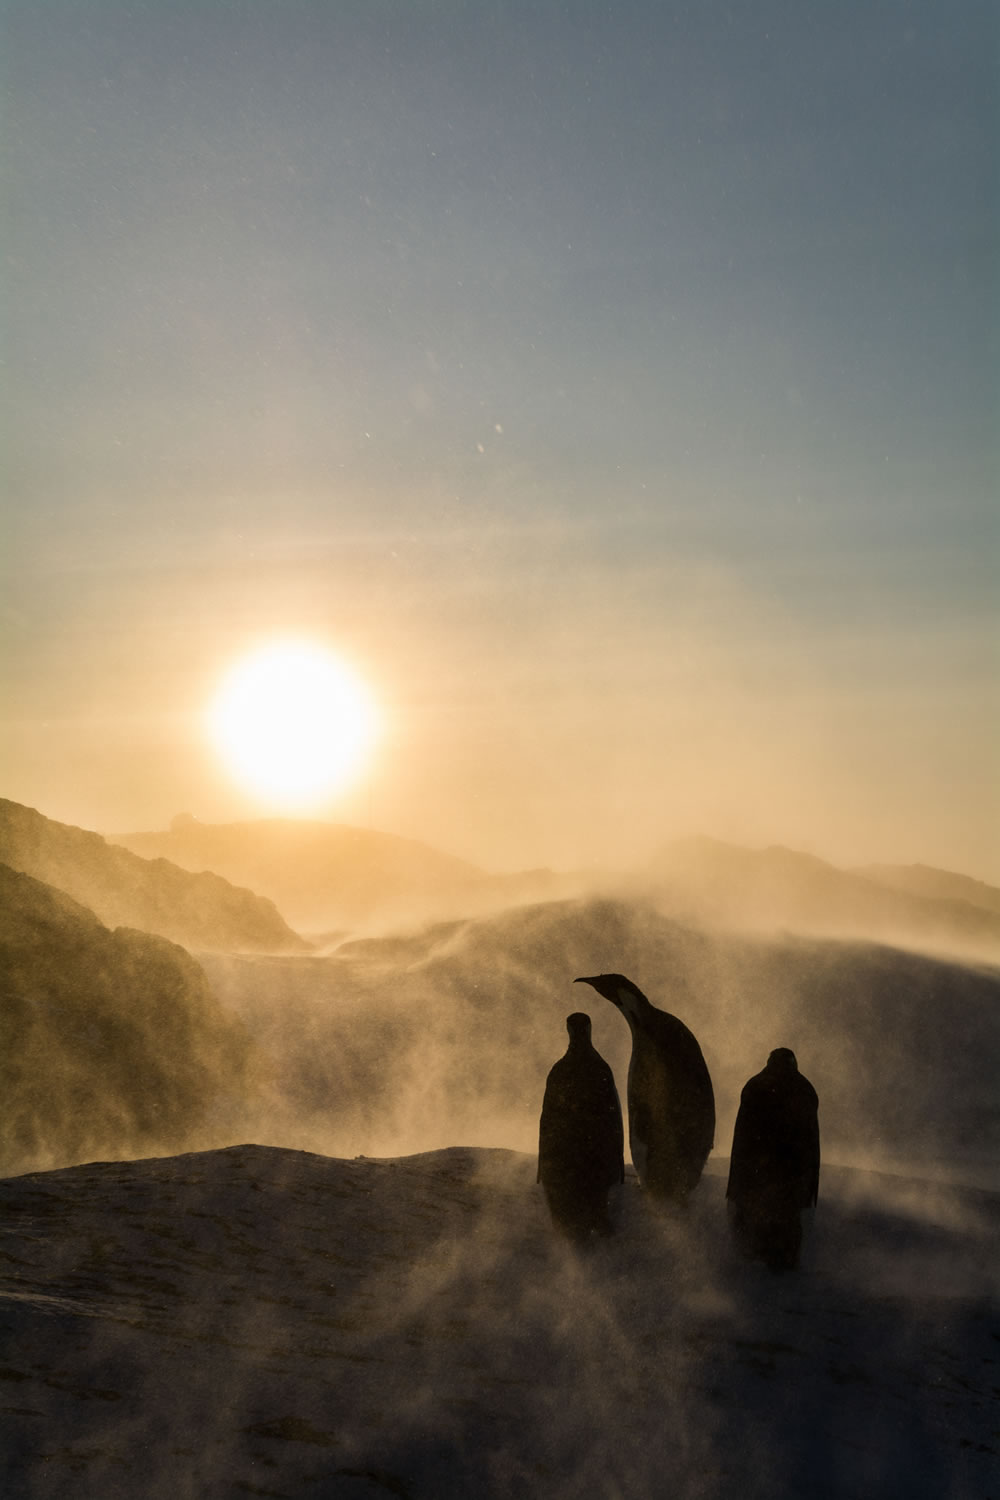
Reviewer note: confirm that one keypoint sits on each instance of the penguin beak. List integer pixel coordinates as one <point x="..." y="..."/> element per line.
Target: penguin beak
<point x="604" y="987"/>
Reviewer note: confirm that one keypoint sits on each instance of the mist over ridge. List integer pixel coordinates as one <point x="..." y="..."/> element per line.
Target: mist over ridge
<point x="938" y="885"/>
<point x="339" y="877"/>
<point x="447" y="1036"/>
<point x="335" y="879"/>
<point x="415" y="1035"/>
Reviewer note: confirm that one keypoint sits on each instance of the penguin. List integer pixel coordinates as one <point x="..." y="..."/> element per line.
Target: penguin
<point x="580" y="1137"/>
<point x="671" y="1105"/>
<point x="774" y="1167"/>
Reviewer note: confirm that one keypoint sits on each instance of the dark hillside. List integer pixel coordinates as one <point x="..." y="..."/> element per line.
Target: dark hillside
<point x="111" y="1043"/>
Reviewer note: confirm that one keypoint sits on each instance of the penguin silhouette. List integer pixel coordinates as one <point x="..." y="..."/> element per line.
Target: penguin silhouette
<point x="774" y="1167"/>
<point x="580" y="1137"/>
<point x="671" y="1105"/>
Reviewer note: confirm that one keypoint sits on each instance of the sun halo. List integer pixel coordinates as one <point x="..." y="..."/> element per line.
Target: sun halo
<point x="293" y="724"/>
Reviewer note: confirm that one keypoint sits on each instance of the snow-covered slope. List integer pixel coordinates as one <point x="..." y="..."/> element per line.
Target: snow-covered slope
<point x="257" y="1321"/>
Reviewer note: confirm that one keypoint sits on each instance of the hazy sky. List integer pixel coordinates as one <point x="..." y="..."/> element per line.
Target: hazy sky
<point x="614" y="384"/>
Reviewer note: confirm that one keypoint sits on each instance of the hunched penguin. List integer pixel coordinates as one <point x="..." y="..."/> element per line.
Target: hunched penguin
<point x="580" y="1137"/>
<point x="774" y="1167"/>
<point x="671" y="1105"/>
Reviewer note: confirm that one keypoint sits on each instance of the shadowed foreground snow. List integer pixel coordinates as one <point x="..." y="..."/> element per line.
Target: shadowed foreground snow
<point x="257" y="1321"/>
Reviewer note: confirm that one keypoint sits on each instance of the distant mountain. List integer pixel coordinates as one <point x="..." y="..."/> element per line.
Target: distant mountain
<point x="124" y="890"/>
<point x="936" y="885"/>
<point x="331" y="876"/>
<point x="780" y="889"/>
<point x="111" y="1043"/>
<point x="335" y="879"/>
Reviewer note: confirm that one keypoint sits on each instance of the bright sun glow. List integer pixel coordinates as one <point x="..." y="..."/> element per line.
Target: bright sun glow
<point x="292" y="723"/>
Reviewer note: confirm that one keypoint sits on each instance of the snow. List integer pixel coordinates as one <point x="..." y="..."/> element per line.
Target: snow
<point x="262" y="1321"/>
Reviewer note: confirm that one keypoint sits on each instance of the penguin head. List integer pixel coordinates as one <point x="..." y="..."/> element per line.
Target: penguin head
<point x="622" y="993"/>
<point x="578" y="1026"/>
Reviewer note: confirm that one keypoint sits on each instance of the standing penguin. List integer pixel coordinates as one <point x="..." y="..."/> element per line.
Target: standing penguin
<point x="580" y="1137"/>
<point x="671" y="1106"/>
<point x="774" y="1168"/>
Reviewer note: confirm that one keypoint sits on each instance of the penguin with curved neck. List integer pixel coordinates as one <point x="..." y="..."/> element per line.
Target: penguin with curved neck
<point x="671" y="1104"/>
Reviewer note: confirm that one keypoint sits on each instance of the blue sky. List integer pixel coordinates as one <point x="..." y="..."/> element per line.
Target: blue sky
<point x="615" y="385"/>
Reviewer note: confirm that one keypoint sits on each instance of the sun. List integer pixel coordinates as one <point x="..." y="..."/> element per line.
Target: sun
<point x="293" y="724"/>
